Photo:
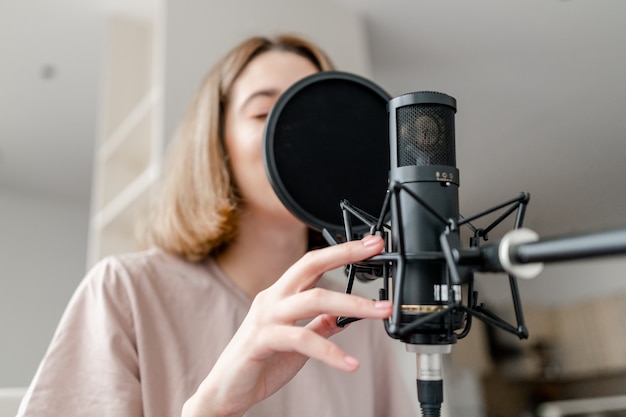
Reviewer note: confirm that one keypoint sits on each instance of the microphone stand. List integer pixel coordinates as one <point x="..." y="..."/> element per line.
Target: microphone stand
<point x="611" y="242"/>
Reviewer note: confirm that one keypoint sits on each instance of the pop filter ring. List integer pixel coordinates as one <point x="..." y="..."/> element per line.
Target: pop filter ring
<point x="304" y="113"/>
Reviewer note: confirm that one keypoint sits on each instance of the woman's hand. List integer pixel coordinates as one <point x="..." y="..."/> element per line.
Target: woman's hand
<point x="269" y="349"/>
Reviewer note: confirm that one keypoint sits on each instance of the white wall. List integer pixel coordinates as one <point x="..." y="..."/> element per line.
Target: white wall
<point x="42" y="259"/>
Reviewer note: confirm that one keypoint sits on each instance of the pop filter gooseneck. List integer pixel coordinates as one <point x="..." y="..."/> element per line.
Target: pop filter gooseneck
<point x="326" y="140"/>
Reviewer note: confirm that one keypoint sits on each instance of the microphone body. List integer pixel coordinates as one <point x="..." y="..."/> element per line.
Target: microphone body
<point x="423" y="166"/>
<point x="424" y="176"/>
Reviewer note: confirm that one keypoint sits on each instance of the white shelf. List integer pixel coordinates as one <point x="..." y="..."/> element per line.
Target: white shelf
<point x="124" y="200"/>
<point x="126" y="129"/>
<point x="119" y="223"/>
<point x="127" y="160"/>
<point x="128" y="75"/>
<point x="122" y="164"/>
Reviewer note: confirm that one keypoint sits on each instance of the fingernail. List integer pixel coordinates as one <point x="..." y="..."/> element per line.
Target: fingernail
<point x="370" y="240"/>
<point x="351" y="361"/>
<point x="383" y="304"/>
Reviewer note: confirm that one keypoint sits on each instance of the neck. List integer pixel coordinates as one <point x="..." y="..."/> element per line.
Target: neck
<point x="262" y="251"/>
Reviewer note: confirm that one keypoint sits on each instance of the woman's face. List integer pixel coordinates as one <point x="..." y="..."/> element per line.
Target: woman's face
<point x="253" y="94"/>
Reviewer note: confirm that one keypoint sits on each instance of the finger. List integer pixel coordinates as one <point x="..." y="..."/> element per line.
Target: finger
<point x="306" y="342"/>
<point x="306" y="272"/>
<point x="316" y="301"/>
<point x="325" y="325"/>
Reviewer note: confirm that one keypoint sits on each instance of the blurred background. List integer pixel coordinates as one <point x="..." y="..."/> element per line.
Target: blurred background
<point x="92" y="90"/>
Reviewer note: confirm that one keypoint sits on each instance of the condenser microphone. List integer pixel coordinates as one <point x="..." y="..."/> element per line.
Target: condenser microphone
<point x="423" y="166"/>
<point x="424" y="174"/>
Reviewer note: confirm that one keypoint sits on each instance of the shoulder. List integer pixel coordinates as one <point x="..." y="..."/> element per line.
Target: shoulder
<point x="150" y="276"/>
<point x="119" y="278"/>
<point x="132" y="268"/>
<point x="139" y="262"/>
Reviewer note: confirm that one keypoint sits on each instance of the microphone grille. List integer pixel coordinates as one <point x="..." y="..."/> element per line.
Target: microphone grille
<point x="425" y="131"/>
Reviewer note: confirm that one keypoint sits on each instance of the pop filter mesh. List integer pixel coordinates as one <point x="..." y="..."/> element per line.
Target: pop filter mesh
<point x="326" y="141"/>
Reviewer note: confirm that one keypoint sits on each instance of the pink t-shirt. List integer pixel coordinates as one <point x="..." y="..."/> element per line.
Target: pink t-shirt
<point x="143" y="330"/>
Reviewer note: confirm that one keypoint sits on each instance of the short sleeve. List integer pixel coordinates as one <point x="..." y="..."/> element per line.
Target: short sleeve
<point x="91" y="365"/>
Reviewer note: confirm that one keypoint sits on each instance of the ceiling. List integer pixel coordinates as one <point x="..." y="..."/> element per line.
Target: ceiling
<point x="540" y="87"/>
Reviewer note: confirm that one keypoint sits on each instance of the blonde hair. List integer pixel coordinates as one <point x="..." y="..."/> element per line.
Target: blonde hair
<point x="196" y="211"/>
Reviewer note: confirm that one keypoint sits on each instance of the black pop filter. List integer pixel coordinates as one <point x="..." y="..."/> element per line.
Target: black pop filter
<point x="327" y="140"/>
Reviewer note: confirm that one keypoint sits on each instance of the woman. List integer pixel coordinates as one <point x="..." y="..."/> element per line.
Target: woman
<point x="220" y="318"/>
